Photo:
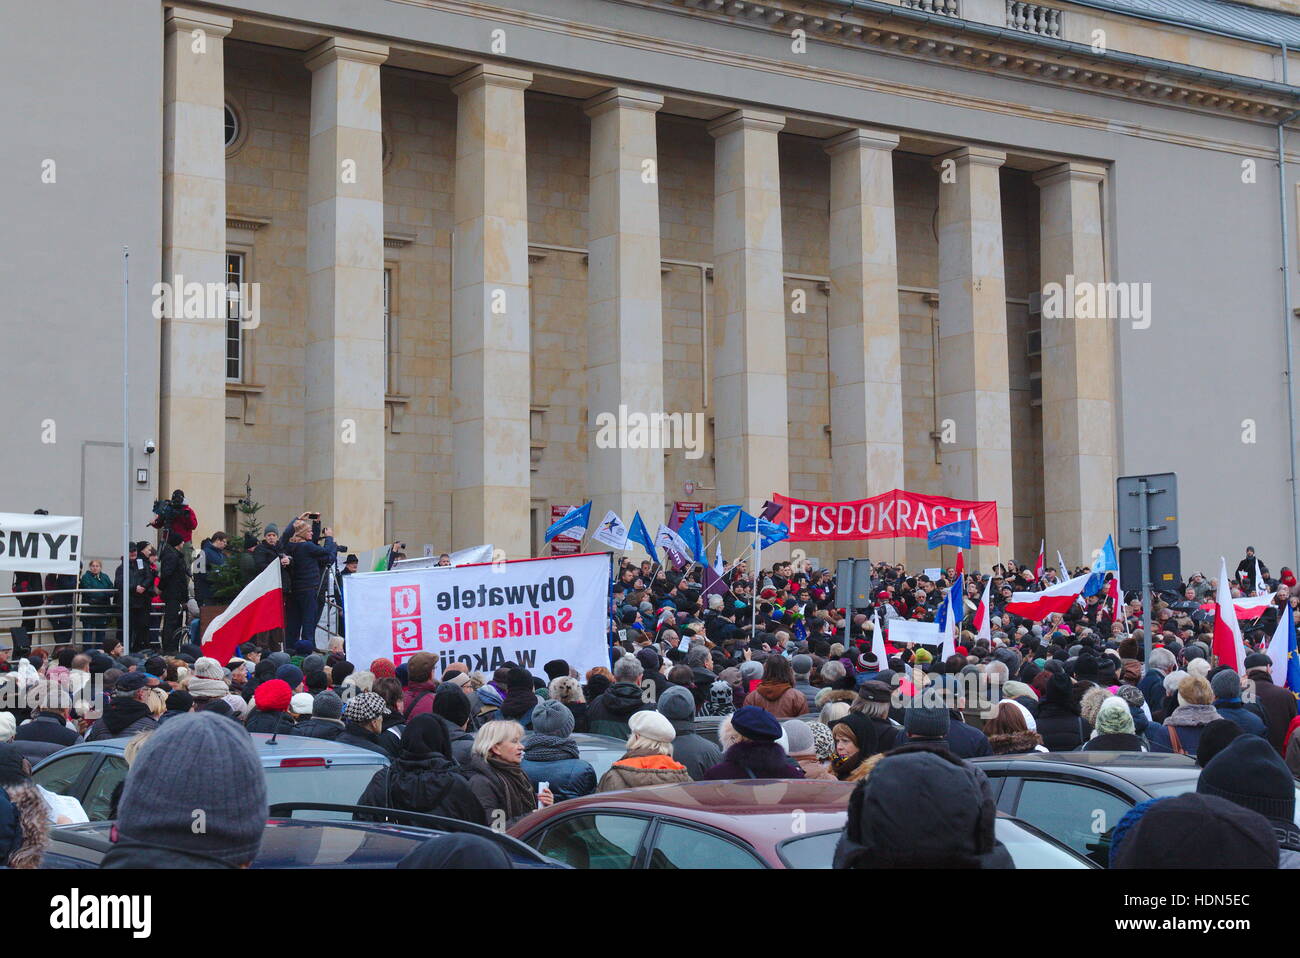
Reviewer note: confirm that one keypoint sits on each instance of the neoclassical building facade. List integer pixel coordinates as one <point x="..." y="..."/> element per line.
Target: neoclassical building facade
<point x="824" y="228"/>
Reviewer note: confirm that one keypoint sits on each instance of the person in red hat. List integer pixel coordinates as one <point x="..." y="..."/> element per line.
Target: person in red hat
<point x="271" y="708"/>
<point x="383" y="669"/>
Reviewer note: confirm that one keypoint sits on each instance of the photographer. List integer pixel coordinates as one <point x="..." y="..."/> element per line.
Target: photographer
<point x="307" y="563"/>
<point x="175" y="516"/>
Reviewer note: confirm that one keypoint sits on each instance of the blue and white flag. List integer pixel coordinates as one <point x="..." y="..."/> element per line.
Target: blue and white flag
<point x="694" y="539"/>
<point x="1106" y="560"/>
<point x="1281" y="650"/>
<point x="611" y="531"/>
<point x="953" y="534"/>
<point x="720" y="516"/>
<point x="576" y="518"/>
<point x="639" y="534"/>
<point x="769" y="533"/>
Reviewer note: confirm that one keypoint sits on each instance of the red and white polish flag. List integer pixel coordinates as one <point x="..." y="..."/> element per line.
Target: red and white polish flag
<point x="982" y="616"/>
<point x="1252" y="607"/>
<point x="1058" y="598"/>
<point x="1228" y="647"/>
<point x="259" y="607"/>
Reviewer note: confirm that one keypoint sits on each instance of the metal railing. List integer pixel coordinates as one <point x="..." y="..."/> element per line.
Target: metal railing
<point x="66" y="616"/>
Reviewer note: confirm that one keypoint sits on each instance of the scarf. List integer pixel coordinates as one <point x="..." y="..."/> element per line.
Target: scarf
<point x="549" y="748"/>
<point x="1193" y="716"/>
<point x="516" y="786"/>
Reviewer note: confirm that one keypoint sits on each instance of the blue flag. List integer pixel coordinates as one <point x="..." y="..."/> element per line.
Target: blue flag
<point x="720" y="516"/>
<point x="1106" y="560"/>
<point x="690" y="533"/>
<point x="1096" y="582"/>
<point x="639" y="534"/>
<point x="576" y="519"/>
<point x="769" y="533"/>
<point x="953" y="534"/>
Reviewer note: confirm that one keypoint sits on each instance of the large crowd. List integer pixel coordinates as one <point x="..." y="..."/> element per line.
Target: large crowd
<point x="790" y="679"/>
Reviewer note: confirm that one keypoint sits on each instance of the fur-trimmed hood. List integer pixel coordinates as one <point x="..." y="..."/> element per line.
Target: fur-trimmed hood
<point x="1015" y="743"/>
<point x="837" y="695"/>
<point x="24" y="826"/>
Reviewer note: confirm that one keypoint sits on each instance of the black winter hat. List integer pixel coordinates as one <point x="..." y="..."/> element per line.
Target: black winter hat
<point x="1199" y="831"/>
<point x="1215" y="737"/>
<point x="518" y="678"/>
<point x="1249" y="772"/>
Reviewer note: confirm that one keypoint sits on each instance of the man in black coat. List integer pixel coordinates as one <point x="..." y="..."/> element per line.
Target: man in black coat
<point x="1278" y="705"/>
<point x="174" y="584"/>
<point x="1249" y="571"/>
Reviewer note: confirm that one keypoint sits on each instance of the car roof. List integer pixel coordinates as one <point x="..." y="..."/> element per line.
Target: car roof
<point x="591" y="740"/>
<point x="1139" y="768"/>
<point x="748" y="797"/>
<point x="271" y="753"/>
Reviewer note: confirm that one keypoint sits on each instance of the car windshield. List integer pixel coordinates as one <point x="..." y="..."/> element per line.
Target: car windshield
<point x="1029" y="850"/>
<point x="337" y="784"/>
<point x="810" y="851"/>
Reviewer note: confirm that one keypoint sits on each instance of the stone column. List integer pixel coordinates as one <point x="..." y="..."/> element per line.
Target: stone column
<point x="1078" y="374"/>
<point x="751" y="446"/>
<point x="625" y="355"/>
<point x="490" y="365"/>
<point x="863" y="335"/>
<point x="344" y="374"/>
<point x="192" y="407"/>
<point x="974" y="401"/>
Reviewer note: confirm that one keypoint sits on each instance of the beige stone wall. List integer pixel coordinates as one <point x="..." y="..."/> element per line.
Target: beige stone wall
<point x="267" y="178"/>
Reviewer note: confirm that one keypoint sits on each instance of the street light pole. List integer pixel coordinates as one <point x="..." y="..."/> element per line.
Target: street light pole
<point x="126" y="448"/>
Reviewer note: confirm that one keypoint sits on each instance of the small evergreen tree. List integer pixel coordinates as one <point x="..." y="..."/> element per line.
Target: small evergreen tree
<point x="238" y="570"/>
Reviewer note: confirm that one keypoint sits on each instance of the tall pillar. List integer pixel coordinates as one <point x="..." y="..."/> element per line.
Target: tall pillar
<point x="751" y="446"/>
<point x="625" y="355"/>
<point x="490" y="360"/>
<point x="1078" y="376"/>
<point x="863" y="340"/>
<point x="974" y="399"/>
<point x="192" y="408"/>
<point x="344" y="375"/>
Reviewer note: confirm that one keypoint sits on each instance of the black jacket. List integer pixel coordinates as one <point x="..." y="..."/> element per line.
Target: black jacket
<point x="173" y="577"/>
<point x="608" y="713"/>
<point x="1061" y="729"/>
<point x="124" y="716"/>
<point x="264" y="720"/>
<point x="428" y="785"/>
<point x="354" y="734"/>
<point x="319" y="728"/>
<point x="47" y="727"/>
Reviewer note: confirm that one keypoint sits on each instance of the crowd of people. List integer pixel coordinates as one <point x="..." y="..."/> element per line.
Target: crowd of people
<point x="789" y="679"/>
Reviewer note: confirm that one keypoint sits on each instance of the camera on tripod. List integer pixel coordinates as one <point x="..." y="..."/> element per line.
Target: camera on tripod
<point x="168" y="509"/>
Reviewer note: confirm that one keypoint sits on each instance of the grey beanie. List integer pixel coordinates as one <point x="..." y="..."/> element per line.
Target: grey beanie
<point x="199" y="762"/>
<point x="677" y="704"/>
<point x="327" y="705"/>
<point x="279" y="658"/>
<point x="313" y="663"/>
<point x="799" y="737"/>
<point x="1226" y="684"/>
<point x="802" y="664"/>
<point x="926" y="722"/>
<point x="749" y="671"/>
<point x="551" y="717"/>
<point x="270" y="528"/>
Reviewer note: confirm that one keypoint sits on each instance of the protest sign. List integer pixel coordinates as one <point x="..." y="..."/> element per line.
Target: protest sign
<point x="32" y="543"/>
<point x="527" y="611"/>
<point x="886" y="516"/>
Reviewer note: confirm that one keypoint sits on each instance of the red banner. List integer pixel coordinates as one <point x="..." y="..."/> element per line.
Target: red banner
<point x="886" y="516"/>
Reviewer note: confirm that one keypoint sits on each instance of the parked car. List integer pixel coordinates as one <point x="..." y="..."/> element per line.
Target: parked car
<point x="298" y="769"/>
<point x="1078" y="797"/>
<point x="772" y="823"/>
<point x="293" y="842"/>
<point x="601" y="751"/>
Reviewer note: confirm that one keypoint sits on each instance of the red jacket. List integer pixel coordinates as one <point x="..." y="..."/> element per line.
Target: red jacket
<point x="183" y="524"/>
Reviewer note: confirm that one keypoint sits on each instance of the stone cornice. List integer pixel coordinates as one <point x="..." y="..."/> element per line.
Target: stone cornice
<point x="623" y="98"/>
<point x="183" y="19"/>
<point x="1086" y="172"/>
<point x="861" y="138"/>
<point x="972" y="156"/>
<point x="746" y="120"/>
<point x="491" y="74"/>
<point x="1010" y="54"/>
<point x="345" y="48"/>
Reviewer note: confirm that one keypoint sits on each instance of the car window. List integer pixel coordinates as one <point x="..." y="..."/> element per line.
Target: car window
<point x="600" y="757"/>
<point x="810" y="851"/>
<point x="60" y="774"/>
<point x="677" y="846"/>
<point x="1033" y="851"/>
<point x="1078" y="816"/>
<point x="336" y="784"/>
<point x="594" y="841"/>
<point x="98" y="802"/>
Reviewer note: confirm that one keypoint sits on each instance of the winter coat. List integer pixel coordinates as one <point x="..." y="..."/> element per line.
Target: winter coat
<point x="782" y="700"/>
<point x="24" y="826"/>
<point x="264" y="554"/>
<point x="319" y="728"/>
<point x="965" y="741"/>
<point x="809" y="694"/>
<point x="489" y="790"/>
<point x="641" y="769"/>
<point x="1279" y="707"/>
<point x="750" y="759"/>
<point x="693" y="750"/>
<point x="425" y="784"/>
<point x="124" y="717"/>
<point x="46" y="727"/>
<point x="555" y="760"/>
<point x="417" y="699"/>
<point x="1237" y="713"/>
<point x="608" y="713"/>
<point x="1061" y="729"/>
<point x="813" y="769"/>
<point x="361" y="737"/>
<point x="1190" y="720"/>
<point x="264" y="720"/>
<point x="308" y="561"/>
<point x="579" y="712"/>
<point x="489" y="709"/>
<point x="173" y="576"/>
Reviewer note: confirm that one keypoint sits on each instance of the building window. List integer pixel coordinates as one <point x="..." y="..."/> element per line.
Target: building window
<point x="232" y="126"/>
<point x="388" y="331"/>
<point x="234" y="333"/>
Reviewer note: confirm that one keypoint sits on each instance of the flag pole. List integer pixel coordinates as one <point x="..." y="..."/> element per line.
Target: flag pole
<point x="753" y="599"/>
<point x="126" y="449"/>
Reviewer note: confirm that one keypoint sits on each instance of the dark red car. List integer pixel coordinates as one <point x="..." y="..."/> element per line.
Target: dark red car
<point x="760" y="823"/>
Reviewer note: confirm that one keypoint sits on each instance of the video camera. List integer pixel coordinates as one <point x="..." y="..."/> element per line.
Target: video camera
<point x="168" y="509"/>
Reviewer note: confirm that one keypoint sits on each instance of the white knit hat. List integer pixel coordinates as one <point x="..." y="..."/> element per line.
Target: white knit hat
<point x="209" y="668"/>
<point x="301" y="703"/>
<point x="650" y="724"/>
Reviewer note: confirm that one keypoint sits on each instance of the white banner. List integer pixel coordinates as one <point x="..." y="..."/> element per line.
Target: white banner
<point x="526" y="611"/>
<point x="903" y="631"/>
<point x="32" y="543"/>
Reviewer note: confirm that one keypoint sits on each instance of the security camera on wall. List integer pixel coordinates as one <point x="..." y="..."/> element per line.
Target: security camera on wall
<point x="150" y="447"/>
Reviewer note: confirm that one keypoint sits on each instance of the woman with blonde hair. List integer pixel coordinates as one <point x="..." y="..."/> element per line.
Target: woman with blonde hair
<point x="1181" y="731"/>
<point x="568" y="691"/>
<point x="649" y="756"/>
<point x="496" y="777"/>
